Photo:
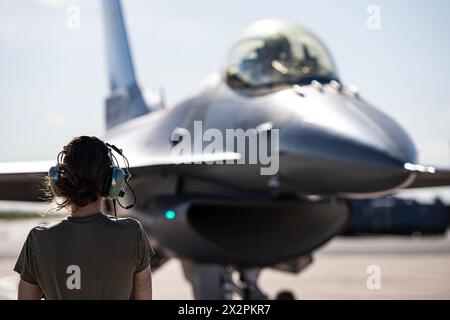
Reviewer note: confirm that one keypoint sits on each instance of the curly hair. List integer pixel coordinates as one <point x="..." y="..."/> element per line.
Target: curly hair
<point x="85" y="173"/>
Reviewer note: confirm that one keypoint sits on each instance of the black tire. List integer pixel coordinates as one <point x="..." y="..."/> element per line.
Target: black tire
<point x="285" y="295"/>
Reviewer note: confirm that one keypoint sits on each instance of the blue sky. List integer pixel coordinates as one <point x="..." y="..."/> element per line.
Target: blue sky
<point x="53" y="80"/>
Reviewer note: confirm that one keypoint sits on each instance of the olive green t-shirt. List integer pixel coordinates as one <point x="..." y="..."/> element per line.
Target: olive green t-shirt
<point x="93" y="257"/>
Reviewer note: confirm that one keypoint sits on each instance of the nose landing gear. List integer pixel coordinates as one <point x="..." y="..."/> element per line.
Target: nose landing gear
<point x="246" y="286"/>
<point x="211" y="281"/>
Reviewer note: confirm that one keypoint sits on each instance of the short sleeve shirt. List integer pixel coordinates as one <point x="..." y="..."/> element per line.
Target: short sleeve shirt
<point x="93" y="257"/>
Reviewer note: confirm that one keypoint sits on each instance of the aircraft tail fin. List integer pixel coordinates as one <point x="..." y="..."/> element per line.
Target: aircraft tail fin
<point x="126" y="101"/>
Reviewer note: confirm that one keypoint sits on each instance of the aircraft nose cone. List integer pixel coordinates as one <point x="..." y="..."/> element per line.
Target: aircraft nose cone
<point x="333" y="164"/>
<point x="348" y="147"/>
<point x="379" y="131"/>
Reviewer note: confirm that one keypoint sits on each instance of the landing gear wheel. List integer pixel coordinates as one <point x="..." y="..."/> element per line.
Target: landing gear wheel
<point x="246" y="286"/>
<point x="285" y="295"/>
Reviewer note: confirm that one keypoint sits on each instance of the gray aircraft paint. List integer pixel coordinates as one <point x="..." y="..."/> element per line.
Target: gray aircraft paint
<point x="333" y="146"/>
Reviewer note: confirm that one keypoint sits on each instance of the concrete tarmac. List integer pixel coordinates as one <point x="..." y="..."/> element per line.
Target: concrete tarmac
<point x="409" y="268"/>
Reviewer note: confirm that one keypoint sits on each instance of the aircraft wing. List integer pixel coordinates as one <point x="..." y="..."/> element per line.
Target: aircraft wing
<point x="427" y="176"/>
<point x="142" y="164"/>
<point x="21" y="181"/>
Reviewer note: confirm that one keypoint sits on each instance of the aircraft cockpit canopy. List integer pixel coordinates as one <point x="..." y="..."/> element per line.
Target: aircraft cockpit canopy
<point x="272" y="52"/>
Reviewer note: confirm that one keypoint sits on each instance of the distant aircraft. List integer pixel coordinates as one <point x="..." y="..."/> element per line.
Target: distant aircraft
<point x="225" y="219"/>
<point x="395" y="216"/>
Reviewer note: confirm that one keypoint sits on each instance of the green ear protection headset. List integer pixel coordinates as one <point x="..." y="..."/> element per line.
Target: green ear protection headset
<point x="112" y="188"/>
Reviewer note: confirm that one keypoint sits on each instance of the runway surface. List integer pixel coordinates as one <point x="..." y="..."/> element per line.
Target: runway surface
<point x="410" y="268"/>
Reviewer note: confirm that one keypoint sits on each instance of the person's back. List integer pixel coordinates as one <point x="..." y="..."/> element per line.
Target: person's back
<point x="87" y="255"/>
<point x="92" y="257"/>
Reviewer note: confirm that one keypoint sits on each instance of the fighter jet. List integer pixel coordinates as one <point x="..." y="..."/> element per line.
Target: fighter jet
<point x="213" y="209"/>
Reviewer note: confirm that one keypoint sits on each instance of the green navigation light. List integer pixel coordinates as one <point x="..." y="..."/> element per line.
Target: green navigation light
<point x="170" y="214"/>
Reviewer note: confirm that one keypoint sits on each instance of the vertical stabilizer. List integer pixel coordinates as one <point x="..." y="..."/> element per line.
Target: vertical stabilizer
<point x="126" y="101"/>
